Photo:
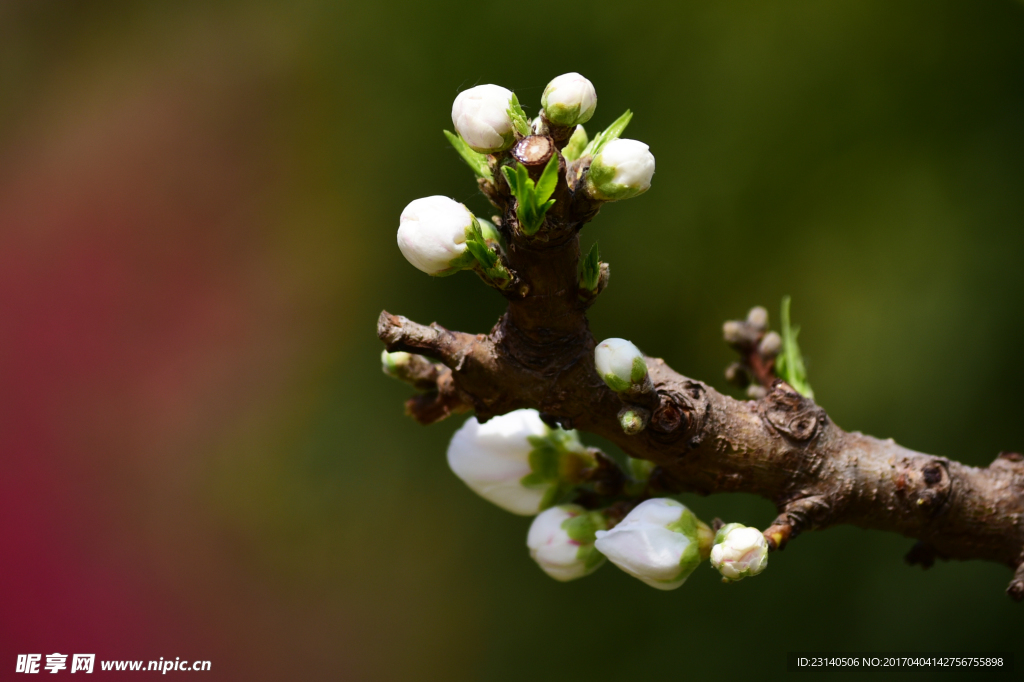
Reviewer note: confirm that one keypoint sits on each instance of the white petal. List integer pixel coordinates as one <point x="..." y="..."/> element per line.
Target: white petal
<point x="432" y="232"/>
<point x="492" y="458"/>
<point x="480" y="116"/>
<point x="616" y="357"/>
<point x="633" y="163"/>
<point x="642" y="546"/>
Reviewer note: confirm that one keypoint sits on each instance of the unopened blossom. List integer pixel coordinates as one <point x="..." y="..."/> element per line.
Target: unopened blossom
<point x="622" y="170"/>
<point x="480" y="116"/>
<point x="739" y="552"/>
<point x="494" y="459"/>
<point x="569" y="100"/>
<point x="658" y="542"/>
<point x="561" y="541"/>
<point x="620" y="364"/>
<point x="432" y="234"/>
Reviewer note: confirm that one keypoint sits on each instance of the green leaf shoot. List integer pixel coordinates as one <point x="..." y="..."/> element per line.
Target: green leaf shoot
<point x="790" y="364"/>
<point x="532" y="199"/>
<point x="520" y="121"/>
<point x="476" y="161"/>
<point x="591" y="274"/>
<point x="610" y="133"/>
<point x="577" y="143"/>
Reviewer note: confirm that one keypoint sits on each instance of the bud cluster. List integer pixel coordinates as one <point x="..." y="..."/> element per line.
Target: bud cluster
<point x="436" y="234"/>
<point x="587" y="509"/>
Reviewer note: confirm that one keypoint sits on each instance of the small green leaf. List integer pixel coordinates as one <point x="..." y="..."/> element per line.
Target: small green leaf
<point x="491" y="234"/>
<point x="577" y="143"/>
<point x="483" y="255"/>
<point x="610" y="133"/>
<point x="548" y="181"/>
<point x="523" y="180"/>
<point x="476" y="245"/>
<point x="475" y="160"/>
<point x="790" y="363"/>
<point x="530" y="208"/>
<point x="510" y="178"/>
<point x="519" y="119"/>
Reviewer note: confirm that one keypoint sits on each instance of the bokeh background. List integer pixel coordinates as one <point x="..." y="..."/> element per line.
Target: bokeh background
<point x="198" y="202"/>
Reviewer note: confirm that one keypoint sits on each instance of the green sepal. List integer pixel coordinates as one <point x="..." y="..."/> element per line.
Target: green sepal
<point x="533" y="481"/>
<point x="544" y="462"/>
<point x="617" y="384"/>
<point x="790" y="363"/>
<point x="519" y="119"/>
<point x="590" y="557"/>
<point x="610" y="133"/>
<point x="577" y="143"/>
<point x="600" y="177"/>
<point x="491" y="234"/>
<point x="725" y="530"/>
<point x="476" y="161"/>
<point x="690" y="559"/>
<point x="458" y="264"/>
<point x="552" y="457"/>
<point x="638" y="371"/>
<point x="582" y="527"/>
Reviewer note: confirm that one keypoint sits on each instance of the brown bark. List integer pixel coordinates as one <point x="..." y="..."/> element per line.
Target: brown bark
<point x="783" y="446"/>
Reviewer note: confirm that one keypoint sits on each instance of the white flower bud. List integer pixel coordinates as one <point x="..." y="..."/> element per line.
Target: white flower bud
<point x="621" y="365"/>
<point x="622" y="170"/>
<point x="569" y="100"/>
<point x="758" y="317"/>
<point x="480" y="115"/>
<point x="515" y="461"/>
<point x="658" y="542"/>
<point x="739" y="552"/>
<point x="432" y="234"/>
<point x="561" y="541"/>
<point x="771" y="344"/>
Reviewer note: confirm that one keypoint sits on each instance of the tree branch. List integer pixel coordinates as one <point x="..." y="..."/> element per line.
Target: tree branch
<point x="782" y="446"/>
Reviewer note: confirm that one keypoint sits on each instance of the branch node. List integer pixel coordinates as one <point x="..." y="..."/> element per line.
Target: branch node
<point x="680" y="414"/>
<point x="805" y="513"/>
<point x="792" y="414"/>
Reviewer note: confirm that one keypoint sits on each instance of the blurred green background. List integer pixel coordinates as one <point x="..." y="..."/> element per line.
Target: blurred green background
<point x="198" y="205"/>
